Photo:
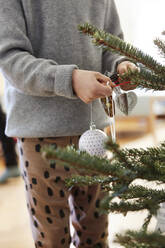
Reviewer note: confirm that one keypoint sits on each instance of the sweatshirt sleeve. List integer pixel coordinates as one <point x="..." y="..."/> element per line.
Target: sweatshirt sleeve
<point x="25" y="72"/>
<point x="112" y="25"/>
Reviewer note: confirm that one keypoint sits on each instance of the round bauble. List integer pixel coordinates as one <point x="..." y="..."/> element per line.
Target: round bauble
<point x="93" y="142"/>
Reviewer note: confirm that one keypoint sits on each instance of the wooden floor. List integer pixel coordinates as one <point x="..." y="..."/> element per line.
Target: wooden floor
<point x="14" y="223"/>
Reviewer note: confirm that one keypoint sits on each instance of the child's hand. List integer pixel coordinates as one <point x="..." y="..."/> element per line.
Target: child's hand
<point x="89" y="85"/>
<point x="123" y="68"/>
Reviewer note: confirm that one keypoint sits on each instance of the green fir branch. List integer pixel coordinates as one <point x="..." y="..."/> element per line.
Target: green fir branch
<point x="138" y="191"/>
<point x="161" y="46"/>
<point x="127" y="206"/>
<point x="137" y="168"/>
<point x="151" y="151"/>
<point x="114" y="44"/>
<point x="118" y="153"/>
<point x="153" y="157"/>
<point x="105" y="202"/>
<point x="147" y="222"/>
<point x="148" y="164"/>
<point x="144" y="79"/>
<point x="83" y="161"/>
<point x="141" y="239"/>
<point x="88" y="180"/>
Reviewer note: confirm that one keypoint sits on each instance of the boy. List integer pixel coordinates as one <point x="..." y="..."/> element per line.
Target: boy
<point x="52" y="72"/>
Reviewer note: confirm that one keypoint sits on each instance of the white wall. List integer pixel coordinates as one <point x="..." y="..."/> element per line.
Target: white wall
<point x="142" y="21"/>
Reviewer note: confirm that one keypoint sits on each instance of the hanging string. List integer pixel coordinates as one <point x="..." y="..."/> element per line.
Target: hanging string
<point x="92" y="124"/>
<point x="112" y="124"/>
<point x="111" y="113"/>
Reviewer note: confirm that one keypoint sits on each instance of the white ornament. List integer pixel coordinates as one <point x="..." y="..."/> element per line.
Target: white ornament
<point x="126" y="101"/>
<point x="93" y="142"/>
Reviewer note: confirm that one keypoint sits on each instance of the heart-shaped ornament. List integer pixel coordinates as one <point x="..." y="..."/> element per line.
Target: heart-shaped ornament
<point x="126" y="102"/>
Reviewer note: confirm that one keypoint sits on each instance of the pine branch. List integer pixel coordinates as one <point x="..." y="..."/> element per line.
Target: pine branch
<point x="146" y="222"/>
<point x="114" y="44"/>
<point x="146" y="164"/>
<point x="161" y="46"/>
<point x="132" y="239"/>
<point x="84" y="162"/>
<point x="151" y="151"/>
<point x="105" y="205"/>
<point x="136" y="166"/>
<point x="134" y="195"/>
<point x="138" y="191"/>
<point x="88" y="180"/>
<point x="137" y="205"/>
<point x="152" y="157"/>
<point x="118" y="153"/>
<point x="144" y="79"/>
<point x="133" y="198"/>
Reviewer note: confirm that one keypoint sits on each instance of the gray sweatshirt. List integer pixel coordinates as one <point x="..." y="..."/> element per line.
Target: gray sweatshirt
<point x="40" y="47"/>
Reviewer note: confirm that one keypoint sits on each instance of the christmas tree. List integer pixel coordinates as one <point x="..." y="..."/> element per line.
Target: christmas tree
<point x="118" y="174"/>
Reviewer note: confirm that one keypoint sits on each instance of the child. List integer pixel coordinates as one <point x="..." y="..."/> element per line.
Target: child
<point x="8" y="146"/>
<point x="51" y="72"/>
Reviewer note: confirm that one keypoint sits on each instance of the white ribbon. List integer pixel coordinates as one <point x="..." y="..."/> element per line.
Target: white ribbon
<point x="112" y="119"/>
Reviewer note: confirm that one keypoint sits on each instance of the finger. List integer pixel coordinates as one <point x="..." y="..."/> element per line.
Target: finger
<point x="105" y="91"/>
<point x="122" y="69"/>
<point x="132" y="67"/>
<point x="102" y="78"/>
<point x="111" y="84"/>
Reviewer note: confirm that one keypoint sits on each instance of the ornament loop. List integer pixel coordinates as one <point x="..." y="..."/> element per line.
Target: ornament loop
<point x="92" y="126"/>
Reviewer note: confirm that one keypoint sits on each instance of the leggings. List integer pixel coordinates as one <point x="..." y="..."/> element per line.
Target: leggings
<point x="51" y="204"/>
<point x="8" y="144"/>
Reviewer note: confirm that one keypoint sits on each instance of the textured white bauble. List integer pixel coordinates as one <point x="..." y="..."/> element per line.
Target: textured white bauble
<point x="93" y="142"/>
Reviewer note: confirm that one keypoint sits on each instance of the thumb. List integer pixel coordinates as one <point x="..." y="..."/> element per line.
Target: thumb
<point x="122" y="69"/>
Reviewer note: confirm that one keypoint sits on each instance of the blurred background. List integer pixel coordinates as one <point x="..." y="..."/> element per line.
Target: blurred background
<point x="142" y="21"/>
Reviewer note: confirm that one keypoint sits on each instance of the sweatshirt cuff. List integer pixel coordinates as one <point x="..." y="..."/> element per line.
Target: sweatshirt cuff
<point x="63" y="81"/>
<point x="117" y="62"/>
<point x="120" y="60"/>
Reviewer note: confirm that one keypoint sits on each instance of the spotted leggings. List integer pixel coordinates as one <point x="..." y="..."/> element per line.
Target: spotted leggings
<point x="50" y="203"/>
